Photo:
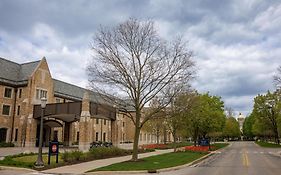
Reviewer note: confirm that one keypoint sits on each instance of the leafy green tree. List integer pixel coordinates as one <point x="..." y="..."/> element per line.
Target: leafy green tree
<point x="206" y="116"/>
<point x="176" y="114"/>
<point x="267" y="110"/>
<point x="231" y="129"/>
<point x="248" y="126"/>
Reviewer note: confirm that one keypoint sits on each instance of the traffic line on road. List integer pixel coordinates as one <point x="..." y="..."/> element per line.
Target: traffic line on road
<point x="245" y="160"/>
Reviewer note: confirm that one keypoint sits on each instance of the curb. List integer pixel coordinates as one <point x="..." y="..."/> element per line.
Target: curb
<point x="13" y="168"/>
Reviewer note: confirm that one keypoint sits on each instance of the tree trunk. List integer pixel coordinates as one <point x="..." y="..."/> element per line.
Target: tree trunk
<point x="136" y="144"/>
<point x="175" y="141"/>
<point x="165" y="134"/>
<point x="157" y="137"/>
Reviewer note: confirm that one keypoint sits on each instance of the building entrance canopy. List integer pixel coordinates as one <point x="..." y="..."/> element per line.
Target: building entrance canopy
<point x="71" y="111"/>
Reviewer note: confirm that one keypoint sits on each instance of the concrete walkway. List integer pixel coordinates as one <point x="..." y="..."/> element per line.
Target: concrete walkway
<point x="83" y="167"/>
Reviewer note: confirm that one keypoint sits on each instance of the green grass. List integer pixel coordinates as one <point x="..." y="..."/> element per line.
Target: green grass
<point x="154" y="162"/>
<point x="27" y="161"/>
<point x="268" y="145"/>
<point x="219" y="145"/>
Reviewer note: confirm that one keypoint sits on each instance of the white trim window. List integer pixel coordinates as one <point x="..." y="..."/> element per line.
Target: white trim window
<point x="40" y="93"/>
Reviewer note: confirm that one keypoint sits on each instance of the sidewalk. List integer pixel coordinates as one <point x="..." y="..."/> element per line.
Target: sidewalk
<point x="83" y="167"/>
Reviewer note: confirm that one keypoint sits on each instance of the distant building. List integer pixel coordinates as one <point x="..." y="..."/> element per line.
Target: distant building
<point x="241" y="120"/>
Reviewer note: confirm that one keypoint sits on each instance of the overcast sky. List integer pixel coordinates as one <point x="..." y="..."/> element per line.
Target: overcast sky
<point x="237" y="43"/>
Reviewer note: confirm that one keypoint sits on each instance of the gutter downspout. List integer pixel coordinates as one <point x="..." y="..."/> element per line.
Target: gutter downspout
<point x="14" y="113"/>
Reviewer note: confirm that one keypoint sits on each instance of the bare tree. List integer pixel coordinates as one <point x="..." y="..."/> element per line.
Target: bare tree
<point x="277" y="78"/>
<point x="229" y="111"/>
<point x="132" y="59"/>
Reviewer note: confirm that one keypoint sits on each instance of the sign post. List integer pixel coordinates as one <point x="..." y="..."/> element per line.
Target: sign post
<point x="53" y="150"/>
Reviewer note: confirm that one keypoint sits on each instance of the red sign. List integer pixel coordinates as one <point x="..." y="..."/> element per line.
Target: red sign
<point x="54" y="148"/>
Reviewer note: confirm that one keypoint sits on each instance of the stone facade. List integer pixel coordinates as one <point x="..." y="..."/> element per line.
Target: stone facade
<point x="18" y="97"/>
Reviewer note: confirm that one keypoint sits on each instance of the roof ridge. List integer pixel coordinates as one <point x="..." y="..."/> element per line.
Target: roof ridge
<point x="9" y="61"/>
<point x="18" y="63"/>
<point x="69" y="84"/>
<point x="30" y="62"/>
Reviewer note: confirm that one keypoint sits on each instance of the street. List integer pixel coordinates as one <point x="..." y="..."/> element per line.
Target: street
<point x="241" y="158"/>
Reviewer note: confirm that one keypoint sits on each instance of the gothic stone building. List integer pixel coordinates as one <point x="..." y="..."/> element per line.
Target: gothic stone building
<point x="73" y="115"/>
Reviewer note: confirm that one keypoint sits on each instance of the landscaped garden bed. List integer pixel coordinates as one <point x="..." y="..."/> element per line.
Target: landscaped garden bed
<point x="212" y="147"/>
<point x="165" y="146"/>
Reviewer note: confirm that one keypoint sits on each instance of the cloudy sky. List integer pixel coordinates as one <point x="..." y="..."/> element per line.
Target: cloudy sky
<point x="237" y="43"/>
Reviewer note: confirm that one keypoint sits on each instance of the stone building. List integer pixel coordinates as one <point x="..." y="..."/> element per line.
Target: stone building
<point x="73" y="115"/>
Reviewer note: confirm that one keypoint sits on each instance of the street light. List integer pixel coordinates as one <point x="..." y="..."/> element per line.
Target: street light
<point x="39" y="162"/>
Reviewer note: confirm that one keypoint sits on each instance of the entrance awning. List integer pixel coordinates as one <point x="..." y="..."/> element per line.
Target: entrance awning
<point x="71" y="111"/>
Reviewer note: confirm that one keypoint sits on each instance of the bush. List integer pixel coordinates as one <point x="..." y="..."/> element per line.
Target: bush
<point x="5" y="144"/>
<point x="105" y="152"/>
<point x="72" y="156"/>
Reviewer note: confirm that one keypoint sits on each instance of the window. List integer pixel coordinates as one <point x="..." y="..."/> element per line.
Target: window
<point x="97" y="121"/>
<point x="140" y="136"/>
<point x="18" y="112"/>
<point x="8" y="93"/>
<point x="41" y="93"/>
<point x="104" y="135"/>
<point x="16" y="135"/>
<point x="77" y="138"/>
<point x="6" y="110"/>
<point x="144" y="137"/>
<point x="97" y="136"/>
<point x="55" y="135"/>
<point x="104" y="122"/>
<point x="57" y="100"/>
<point x="20" y="92"/>
<point x="123" y="124"/>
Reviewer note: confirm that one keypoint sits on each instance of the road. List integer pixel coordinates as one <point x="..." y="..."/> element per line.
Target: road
<point x="241" y="158"/>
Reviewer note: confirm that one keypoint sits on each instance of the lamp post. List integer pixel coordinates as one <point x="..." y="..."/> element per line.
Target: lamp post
<point x="39" y="162"/>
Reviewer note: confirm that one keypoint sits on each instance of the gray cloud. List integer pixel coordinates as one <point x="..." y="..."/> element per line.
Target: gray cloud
<point x="236" y="43"/>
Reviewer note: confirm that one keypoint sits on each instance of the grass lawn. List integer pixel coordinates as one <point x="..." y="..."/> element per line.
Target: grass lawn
<point x="33" y="158"/>
<point x="268" y="145"/>
<point x="27" y="161"/>
<point x="155" y="162"/>
<point x="219" y="145"/>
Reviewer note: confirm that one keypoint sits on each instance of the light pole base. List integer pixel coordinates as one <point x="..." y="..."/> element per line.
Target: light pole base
<point x="39" y="164"/>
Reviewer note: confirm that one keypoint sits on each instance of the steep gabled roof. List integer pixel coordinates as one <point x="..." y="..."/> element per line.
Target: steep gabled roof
<point x="16" y="74"/>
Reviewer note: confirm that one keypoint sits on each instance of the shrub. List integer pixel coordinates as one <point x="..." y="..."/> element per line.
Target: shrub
<point x="72" y="156"/>
<point x="105" y="152"/>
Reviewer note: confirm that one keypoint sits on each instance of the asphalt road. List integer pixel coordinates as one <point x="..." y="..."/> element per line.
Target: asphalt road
<point x="241" y="158"/>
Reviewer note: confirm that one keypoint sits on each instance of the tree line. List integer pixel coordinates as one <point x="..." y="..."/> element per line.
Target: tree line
<point x="264" y="122"/>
